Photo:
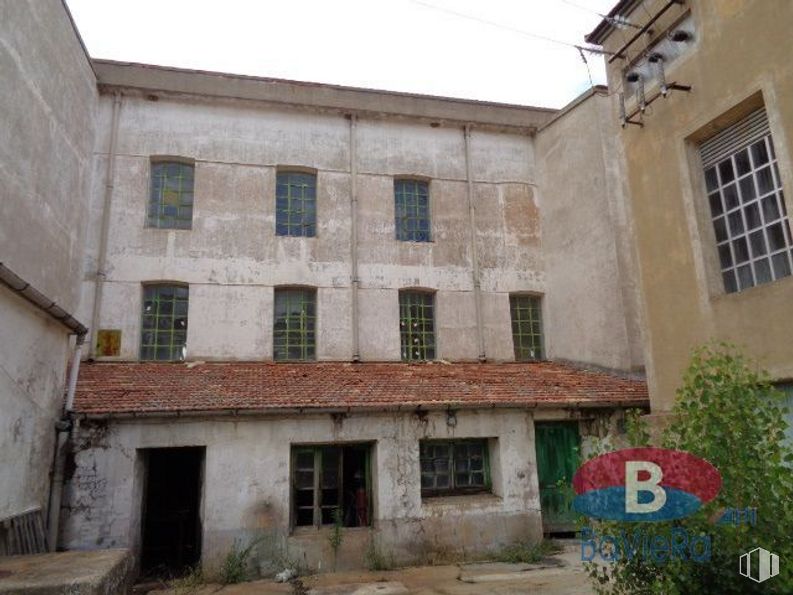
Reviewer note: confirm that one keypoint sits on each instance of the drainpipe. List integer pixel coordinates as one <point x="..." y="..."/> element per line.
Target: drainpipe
<point x="64" y="428"/>
<point x="480" y="332"/>
<point x="101" y="274"/>
<point x="356" y="351"/>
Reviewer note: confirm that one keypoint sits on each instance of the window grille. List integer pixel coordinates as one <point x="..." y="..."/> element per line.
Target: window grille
<point x="527" y="339"/>
<point x="412" y="208"/>
<point x="454" y="467"/>
<point x="171" y="196"/>
<point x="417" y="325"/>
<point x="747" y="204"/>
<point x="164" y="333"/>
<point x="294" y="328"/>
<point x="296" y="204"/>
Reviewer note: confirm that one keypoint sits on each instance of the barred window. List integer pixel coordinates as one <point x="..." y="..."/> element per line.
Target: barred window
<point x="412" y="206"/>
<point x="164" y="328"/>
<point x="526" y="314"/>
<point x="417" y="325"/>
<point x="747" y="204"/>
<point x="294" y="328"/>
<point x="171" y="195"/>
<point x="454" y="467"/>
<point x="296" y="204"/>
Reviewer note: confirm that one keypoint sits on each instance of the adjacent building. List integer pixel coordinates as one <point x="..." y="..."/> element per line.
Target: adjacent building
<point x="704" y="93"/>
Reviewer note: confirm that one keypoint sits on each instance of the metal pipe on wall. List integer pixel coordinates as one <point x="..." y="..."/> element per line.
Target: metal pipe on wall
<point x="480" y="331"/>
<point x="103" y="231"/>
<point x="356" y="351"/>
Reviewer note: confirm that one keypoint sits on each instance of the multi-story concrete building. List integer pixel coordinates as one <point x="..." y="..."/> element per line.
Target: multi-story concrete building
<point x="312" y="306"/>
<point x="706" y="90"/>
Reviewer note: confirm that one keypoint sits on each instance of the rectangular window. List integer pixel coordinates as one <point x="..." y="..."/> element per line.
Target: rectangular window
<point x="451" y="467"/>
<point x="417" y="325"/>
<point x="526" y="314"/>
<point x="164" y="334"/>
<point x="296" y="204"/>
<point x="331" y="484"/>
<point x="747" y="204"/>
<point x="294" y="327"/>
<point x="412" y="206"/>
<point x="171" y="195"/>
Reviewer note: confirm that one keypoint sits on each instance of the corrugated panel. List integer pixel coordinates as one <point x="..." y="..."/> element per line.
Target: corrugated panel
<point x="732" y="139"/>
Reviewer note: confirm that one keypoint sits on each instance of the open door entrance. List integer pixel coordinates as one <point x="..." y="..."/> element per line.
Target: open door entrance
<point x="558" y="448"/>
<point x="171" y="513"/>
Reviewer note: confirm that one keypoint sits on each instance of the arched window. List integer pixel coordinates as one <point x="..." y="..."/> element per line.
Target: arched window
<point x="171" y="195"/>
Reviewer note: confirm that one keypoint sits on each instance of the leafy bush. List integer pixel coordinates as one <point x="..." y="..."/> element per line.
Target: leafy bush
<point x="727" y="413"/>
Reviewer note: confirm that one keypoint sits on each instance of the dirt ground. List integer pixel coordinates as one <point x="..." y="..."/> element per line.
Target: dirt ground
<point x="561" y="574"/>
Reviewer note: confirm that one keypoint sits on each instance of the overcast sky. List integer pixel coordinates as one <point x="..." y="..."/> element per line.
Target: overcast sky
<point x="399" y="45"/>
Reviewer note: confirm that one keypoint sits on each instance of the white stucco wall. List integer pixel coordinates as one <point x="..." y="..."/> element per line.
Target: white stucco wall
<point x="232" y="258"/>
<point x="48" y="101"/>
<point x="246" y="489"/>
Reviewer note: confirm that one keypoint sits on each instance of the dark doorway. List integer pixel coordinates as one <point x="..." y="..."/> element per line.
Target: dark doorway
<point x="171" y="513"/>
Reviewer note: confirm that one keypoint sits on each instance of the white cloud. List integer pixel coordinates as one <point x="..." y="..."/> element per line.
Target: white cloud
<point x="398" y="45"/>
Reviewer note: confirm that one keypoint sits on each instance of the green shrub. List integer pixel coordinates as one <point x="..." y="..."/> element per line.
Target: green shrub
<point x="191" y="582"/>
<point x="525" y="553"/>
<point x="375" y="560"/>
<point x="727" y="413"/>
<point x="235" y="565"/>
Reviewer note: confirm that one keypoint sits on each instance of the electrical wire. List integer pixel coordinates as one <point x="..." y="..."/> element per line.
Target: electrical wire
<point x="613" y="21"/>
<point x="462" y="15"/>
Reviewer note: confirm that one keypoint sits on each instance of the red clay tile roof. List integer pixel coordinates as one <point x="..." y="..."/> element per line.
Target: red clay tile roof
<point x="122" y="388"/>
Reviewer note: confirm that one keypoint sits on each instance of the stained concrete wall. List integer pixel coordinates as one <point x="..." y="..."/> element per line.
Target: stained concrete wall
<point x="592" y="303"/>
<point x="48" y="101"/>
<point x="682" y="293"/>
<point x="246" y="488"/>
<point x="232" y="258"/>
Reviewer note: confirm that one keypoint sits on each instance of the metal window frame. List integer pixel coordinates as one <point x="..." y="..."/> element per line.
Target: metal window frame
<point x="177" y="350"/>
<point x="422" y="338"/>
<point x="304" y="324"/>
<point x="156" y="216"/>
<point x="526" y="309"/>
<point x="317" y="506"/>
<point x="453" y="489"/>
<point x="411" y="199"/>
<point x="744" y="254"/>
<point x="296" y="219"/>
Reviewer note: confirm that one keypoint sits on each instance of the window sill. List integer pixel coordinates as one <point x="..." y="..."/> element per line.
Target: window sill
<point x="480" y="500"/>
<point x="306" y="531"/>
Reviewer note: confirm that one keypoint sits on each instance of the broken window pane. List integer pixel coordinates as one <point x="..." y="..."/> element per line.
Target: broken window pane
<point x="170" y="196"/>
<point x="159" y="304"/>
<point x="453" y="466"/>
<point x="417" y="325"/>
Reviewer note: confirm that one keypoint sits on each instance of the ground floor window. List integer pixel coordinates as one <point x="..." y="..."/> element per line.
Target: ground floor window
<point x="331" y="484"/>
<point x="450" y="467"/>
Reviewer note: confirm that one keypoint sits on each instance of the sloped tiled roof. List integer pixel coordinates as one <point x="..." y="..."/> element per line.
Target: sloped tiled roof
<point x="147" y="387"/>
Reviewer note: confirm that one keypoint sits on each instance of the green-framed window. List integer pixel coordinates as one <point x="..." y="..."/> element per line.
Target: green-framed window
<point x="451" y="467"/>
<point x="526" y="313"/>
<point x="164" y="326"/>
<point x="296" y="204"/>
<point x="330" y="484"/>
<point x="412" y="210"/>
<point x="417" y="325"/>
<point x="171" y="195"/>
<point x="294" y="327"/>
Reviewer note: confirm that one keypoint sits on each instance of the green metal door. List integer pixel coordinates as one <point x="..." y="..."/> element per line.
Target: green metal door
<point x="557" y="446"/>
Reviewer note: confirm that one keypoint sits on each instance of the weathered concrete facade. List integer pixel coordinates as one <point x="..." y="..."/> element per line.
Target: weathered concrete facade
<point x="48" y="102"/>
<point x="523" y="201"/>
<point x="738" y="59"/>
<point x="232" y="264"/>
<point x="247" y="486"/>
